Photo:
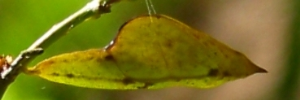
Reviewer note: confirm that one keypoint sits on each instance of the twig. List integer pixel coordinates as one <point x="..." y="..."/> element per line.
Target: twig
<point x="93" y="9"/>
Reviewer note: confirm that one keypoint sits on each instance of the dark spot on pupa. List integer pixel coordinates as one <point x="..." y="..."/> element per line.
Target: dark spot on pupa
<point x="215" y="53"/>
<point x="109" y="57"/>
<point x="169" y="44"/>
<point x="225" y="73"/>
<point x="34" y="71"/>
<point x="127" y="81"/>
<point x="157" y="16"/>
<point x="192" y="83"/>
<point x="205" y="80"/>
<point x="55" y="74"/>
<point x="177" y="80"/>
<point x="70" y="75"/>
<point x="213" y="72"/>
<point x="65" y="61"/>
<point x="226" y="56"/>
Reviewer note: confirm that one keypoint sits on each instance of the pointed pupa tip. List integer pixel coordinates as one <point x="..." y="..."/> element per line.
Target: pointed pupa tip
<point x="261" y="70"/>
<point x="258" y="69"/>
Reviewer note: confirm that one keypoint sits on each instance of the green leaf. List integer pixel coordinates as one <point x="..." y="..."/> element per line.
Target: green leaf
<point x="150" y="52"/>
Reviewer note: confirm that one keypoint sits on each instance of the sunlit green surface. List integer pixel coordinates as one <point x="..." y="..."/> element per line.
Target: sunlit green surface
<point x="23" y="21"/>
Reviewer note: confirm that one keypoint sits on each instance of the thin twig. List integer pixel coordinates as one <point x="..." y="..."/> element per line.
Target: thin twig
<point x="93" y="9"/>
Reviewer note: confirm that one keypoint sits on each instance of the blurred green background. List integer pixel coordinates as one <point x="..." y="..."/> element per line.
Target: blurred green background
<point x="267" y="31"/>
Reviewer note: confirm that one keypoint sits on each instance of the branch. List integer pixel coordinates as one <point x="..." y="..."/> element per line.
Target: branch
<point x="92" y="10"/>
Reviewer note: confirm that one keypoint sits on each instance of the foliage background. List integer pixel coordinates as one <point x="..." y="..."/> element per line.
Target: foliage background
<point x="262" y="29"/>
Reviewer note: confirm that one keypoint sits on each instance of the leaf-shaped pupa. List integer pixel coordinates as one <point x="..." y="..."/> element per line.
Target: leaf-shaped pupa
<point x="150" y="52"/>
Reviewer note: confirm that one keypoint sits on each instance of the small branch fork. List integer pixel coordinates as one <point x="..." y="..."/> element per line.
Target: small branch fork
<point x="93" y="9"/>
